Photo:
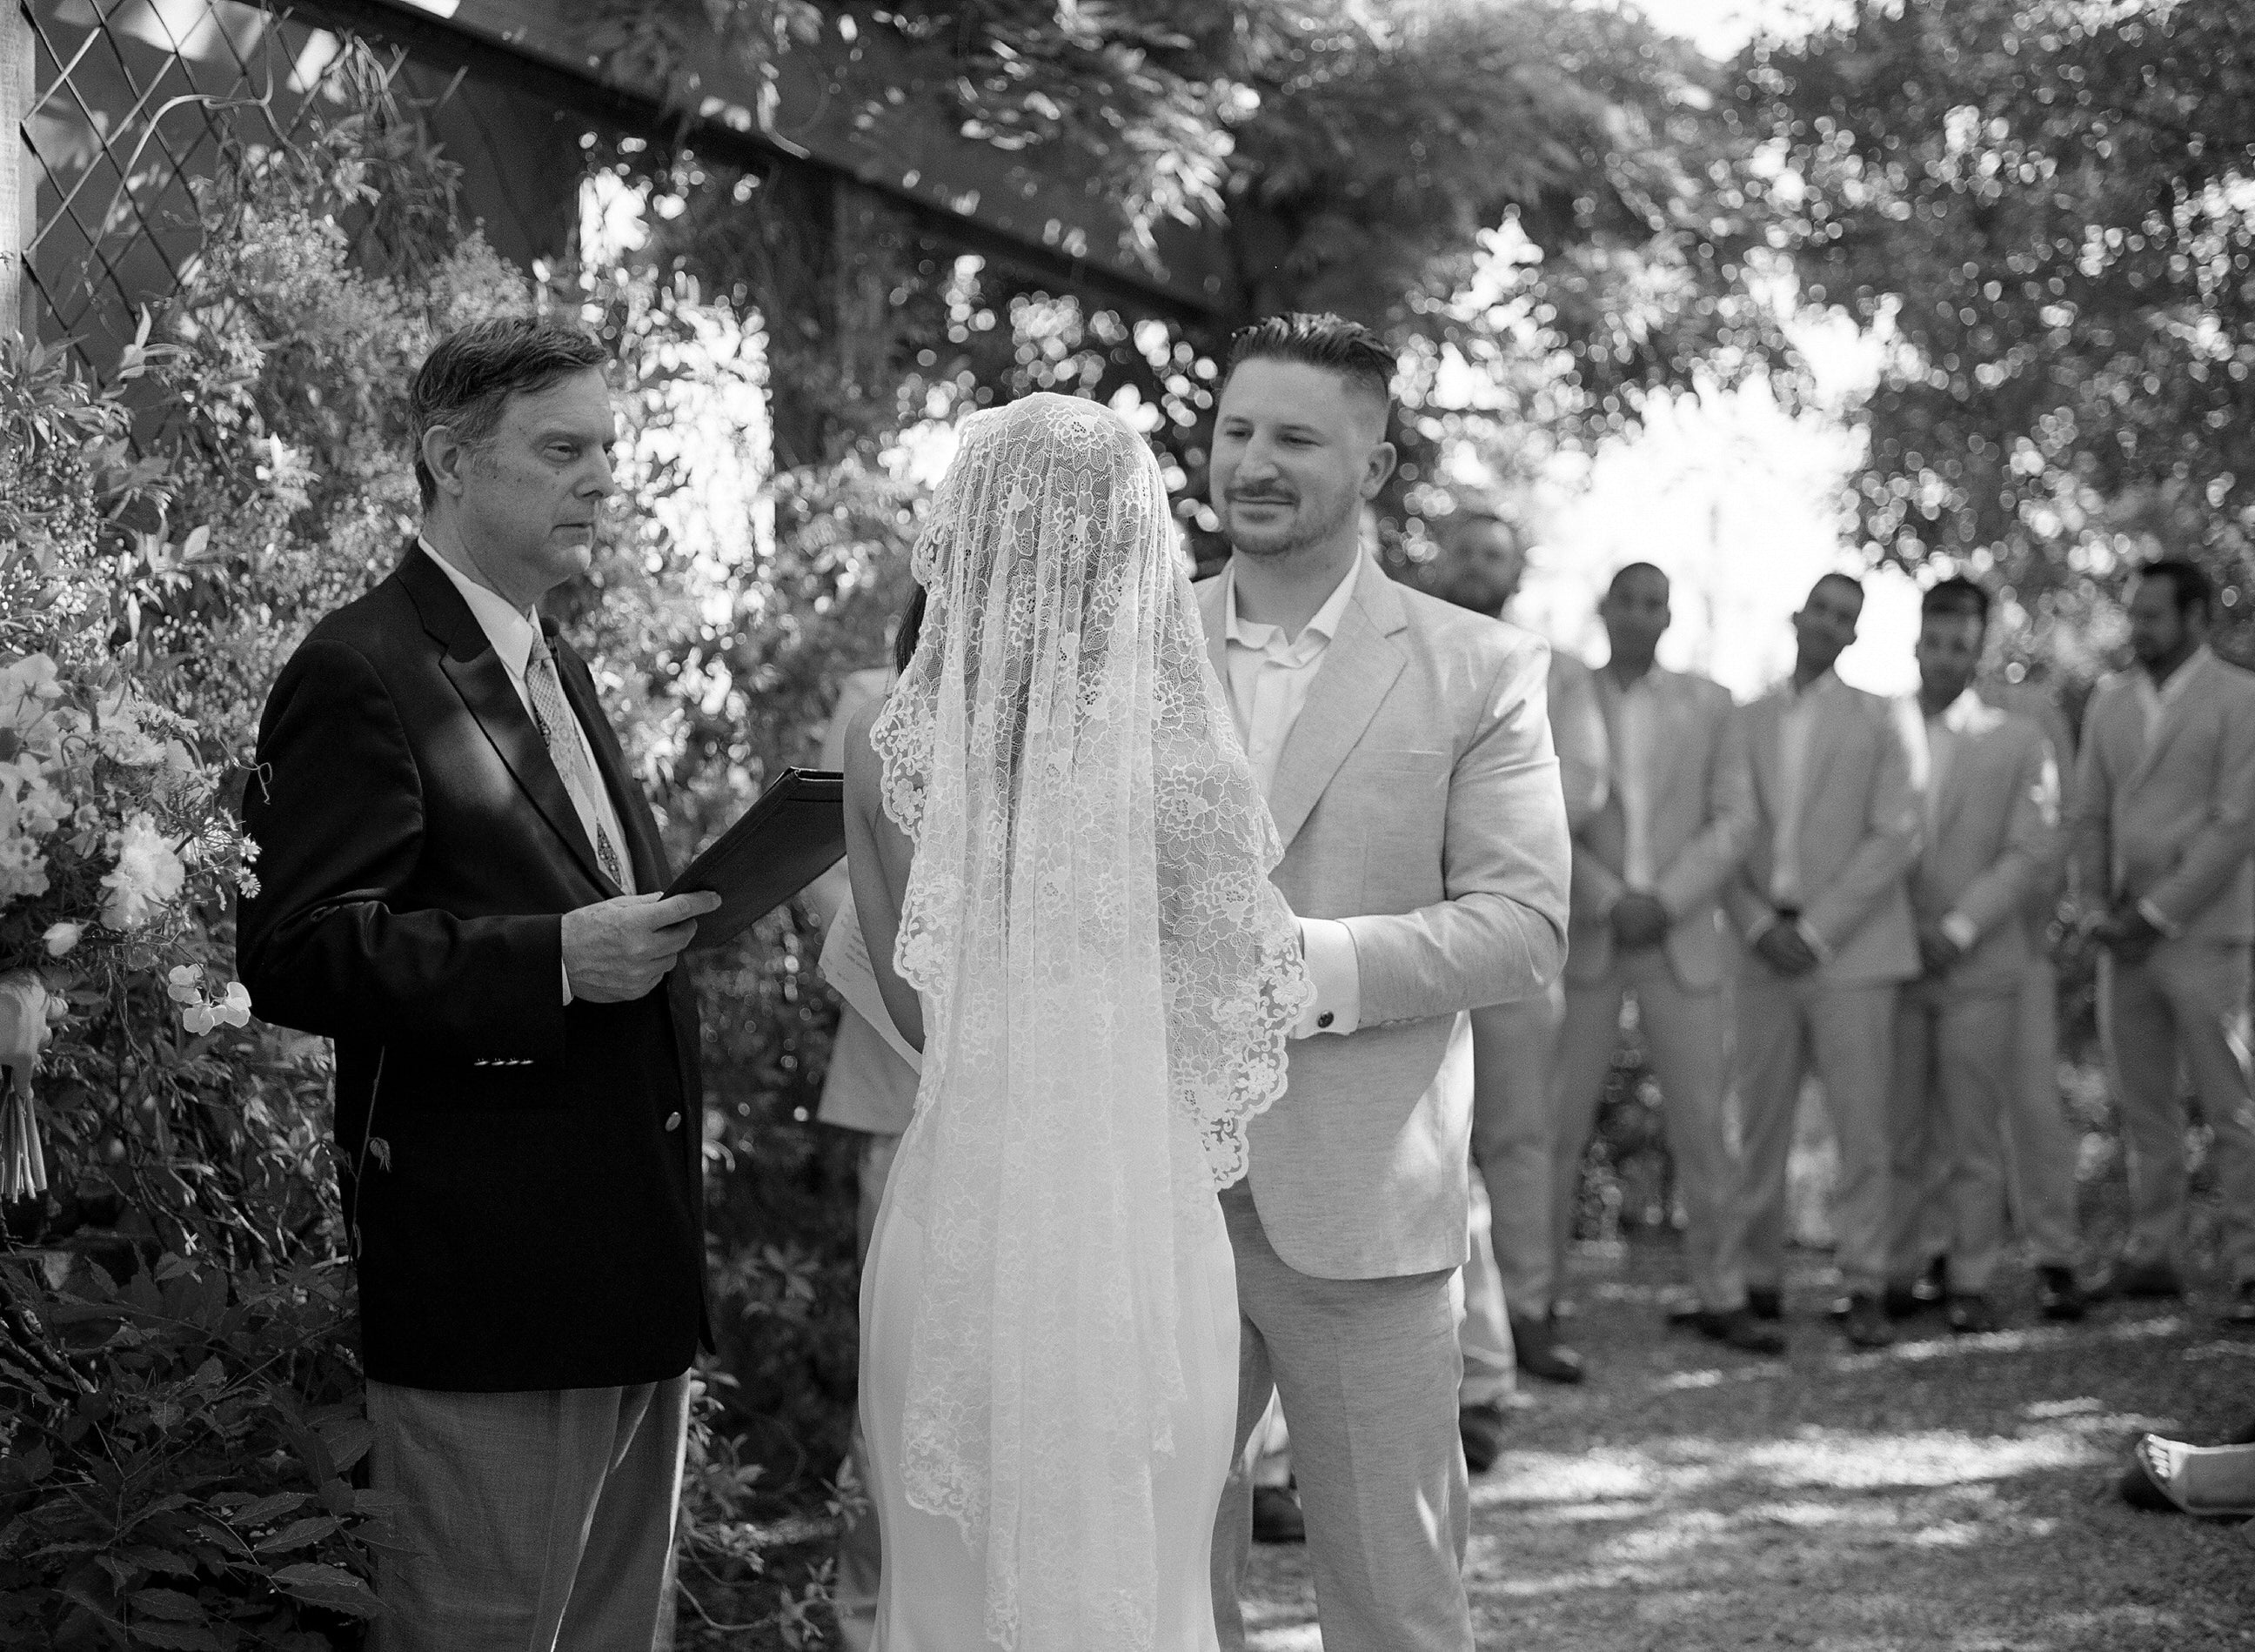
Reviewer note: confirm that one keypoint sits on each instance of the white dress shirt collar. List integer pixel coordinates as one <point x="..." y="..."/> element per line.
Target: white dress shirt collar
<point x="510" y="630"/>
<point x="1269" y="639"/>
<point x="1961" y="713"/>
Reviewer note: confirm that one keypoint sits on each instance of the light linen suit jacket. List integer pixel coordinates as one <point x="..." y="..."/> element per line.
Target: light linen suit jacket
<point x="2173" y="820"/>
<point x="1703" y="815"/>
<point x="1860" y="807"/>
<point x="1417" y="796"/>
<point x="1995" y="843"/>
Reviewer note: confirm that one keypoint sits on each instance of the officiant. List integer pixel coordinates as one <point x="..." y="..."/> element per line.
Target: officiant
<point x="458" y="886"/>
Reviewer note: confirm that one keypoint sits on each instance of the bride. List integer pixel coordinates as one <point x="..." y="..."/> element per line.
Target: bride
<point x="1060" y="857"/>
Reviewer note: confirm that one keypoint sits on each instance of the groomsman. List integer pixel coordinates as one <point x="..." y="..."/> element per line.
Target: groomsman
<point x="1989" y="843"/>
<point x="1820" y="904"/>
<point x="2165" y="820"/>
<point x="1515" y="1099"/>
<point x="1648" y="869"/>
<point x="2040" y="1146"/>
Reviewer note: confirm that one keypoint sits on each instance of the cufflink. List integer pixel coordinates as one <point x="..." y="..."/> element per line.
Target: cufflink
<point x="1324" y="1019"/>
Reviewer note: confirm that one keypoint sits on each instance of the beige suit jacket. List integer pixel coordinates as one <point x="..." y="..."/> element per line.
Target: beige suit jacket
<point x="2173" y="820"/>
<point x="1418" y="800"/>
<point x="1860" y="808"/>
<point x="1702" y="814"/>
<point x="1995" y="843"/>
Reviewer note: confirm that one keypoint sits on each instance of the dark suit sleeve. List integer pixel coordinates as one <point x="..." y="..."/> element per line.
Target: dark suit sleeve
<point x="335" y="808"/>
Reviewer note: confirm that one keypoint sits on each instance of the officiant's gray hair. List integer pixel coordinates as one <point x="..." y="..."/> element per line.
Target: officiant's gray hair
<point x="469" y="375"/>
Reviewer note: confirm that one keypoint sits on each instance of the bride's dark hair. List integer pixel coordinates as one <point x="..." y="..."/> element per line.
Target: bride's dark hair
<point x="906" y="632"/>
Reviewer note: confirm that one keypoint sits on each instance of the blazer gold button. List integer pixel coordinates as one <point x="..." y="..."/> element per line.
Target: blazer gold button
<point x="673" y="1121"/>
<point x="1324" y="1020"/>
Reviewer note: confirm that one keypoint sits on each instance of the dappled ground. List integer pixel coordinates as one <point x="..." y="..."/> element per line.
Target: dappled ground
<point x="1948" y="1493"/>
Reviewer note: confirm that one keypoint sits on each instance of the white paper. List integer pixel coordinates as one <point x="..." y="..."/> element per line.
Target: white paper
<point x="845" y="964"/>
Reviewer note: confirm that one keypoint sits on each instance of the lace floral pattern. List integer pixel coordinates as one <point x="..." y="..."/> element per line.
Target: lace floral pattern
<point x="1109" y="977"/>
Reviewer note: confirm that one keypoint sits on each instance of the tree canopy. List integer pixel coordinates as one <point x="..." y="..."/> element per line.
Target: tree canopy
<point x="1550" y="196"/>
<point x="2047" y="208"/>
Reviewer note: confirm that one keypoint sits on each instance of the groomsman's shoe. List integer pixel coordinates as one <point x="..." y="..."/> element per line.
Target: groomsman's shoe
<point x="1766" y="1302"/>
<point x="2138" y="1282"/>
<point x="2058" y="1296"/>
<point x="1929" y="1290"/>
<point x="2242" y="1310"/>
<point x="1735" y="1328"/>
<point x="1973" y="1314"/>
<point x="1276" y="1516"/>
<point x="1540" y="1353"/>
<point x="1865" y="1322"/>
<point x="1482" y="1427"/>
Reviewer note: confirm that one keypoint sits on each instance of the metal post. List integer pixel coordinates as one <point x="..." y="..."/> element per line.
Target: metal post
<point x="19" y="190"/>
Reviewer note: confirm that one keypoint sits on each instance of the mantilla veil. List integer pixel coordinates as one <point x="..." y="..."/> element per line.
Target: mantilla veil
<point x="1109" y="976"/>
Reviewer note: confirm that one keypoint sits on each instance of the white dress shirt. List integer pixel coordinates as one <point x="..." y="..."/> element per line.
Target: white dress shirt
<point x="1944" y="733"/>
<point x="510" y="631"/>
<point x="1633" y="766"/>
<point x="1268" y="679"/>
<point x="2155" y="700"/>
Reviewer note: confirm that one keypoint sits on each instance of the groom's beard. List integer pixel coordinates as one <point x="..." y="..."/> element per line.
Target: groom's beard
<point x="1301" y="533"/>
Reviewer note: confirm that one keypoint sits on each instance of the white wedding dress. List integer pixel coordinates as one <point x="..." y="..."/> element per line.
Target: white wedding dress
<point x="1048" y="1312"/>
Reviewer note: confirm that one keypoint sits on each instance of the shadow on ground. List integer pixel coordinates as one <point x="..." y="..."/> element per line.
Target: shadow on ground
<point x="1947" y="1492"/>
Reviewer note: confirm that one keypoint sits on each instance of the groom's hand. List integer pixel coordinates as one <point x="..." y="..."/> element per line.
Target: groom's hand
<point x="616" y="951"/>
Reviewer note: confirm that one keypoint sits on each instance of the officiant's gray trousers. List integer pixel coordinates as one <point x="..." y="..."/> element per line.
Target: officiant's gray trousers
<point x="535" y="1522"/>
<point x="1368" y="1371"/>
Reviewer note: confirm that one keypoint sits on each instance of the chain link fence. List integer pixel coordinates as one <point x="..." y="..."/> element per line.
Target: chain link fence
<point x="134" y="100"/>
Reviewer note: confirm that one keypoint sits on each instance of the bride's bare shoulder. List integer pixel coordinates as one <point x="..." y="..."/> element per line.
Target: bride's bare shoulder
<point x="863" y="771"/>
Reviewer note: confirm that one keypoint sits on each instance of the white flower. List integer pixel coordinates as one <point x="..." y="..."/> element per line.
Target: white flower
<point x="61" y="938"/>
<point x="234" y="1008"/>
<point x="184" y="983"/>
<point x="27" y="687"/>
<point x="198" y="1018"/>
<point x="22" y="867"/>
<point x="148" y="874"/>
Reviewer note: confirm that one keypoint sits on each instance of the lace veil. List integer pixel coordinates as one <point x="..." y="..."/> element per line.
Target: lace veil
<point x="1108" y="975"/>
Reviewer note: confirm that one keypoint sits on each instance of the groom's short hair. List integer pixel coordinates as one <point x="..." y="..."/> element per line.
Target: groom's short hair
<point x="1331" y="342"/>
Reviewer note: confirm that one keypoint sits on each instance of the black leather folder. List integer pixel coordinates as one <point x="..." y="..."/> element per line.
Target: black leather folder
<point x="792" y="834"/>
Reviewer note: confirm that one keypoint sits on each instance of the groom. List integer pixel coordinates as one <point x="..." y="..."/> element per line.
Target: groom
<point x="459" y="887"/>
<point x="1403" y="746"/>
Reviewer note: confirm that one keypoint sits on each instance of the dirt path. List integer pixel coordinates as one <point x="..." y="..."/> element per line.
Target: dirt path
<point x="1949" y="1492"/>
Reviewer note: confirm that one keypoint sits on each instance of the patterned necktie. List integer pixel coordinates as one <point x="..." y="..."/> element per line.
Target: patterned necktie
<point x="554" y="718"/>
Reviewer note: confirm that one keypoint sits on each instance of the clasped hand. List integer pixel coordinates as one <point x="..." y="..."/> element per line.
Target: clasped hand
<point x="2127" y="933"/>
<point x="1786" y="950"/>
<point x="616" y="951"/>
<point x="1638" y="920"/>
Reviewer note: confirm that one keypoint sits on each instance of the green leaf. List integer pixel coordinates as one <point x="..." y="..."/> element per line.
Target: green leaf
<point x="193" y="1637"/>
<point x="298" y="1534"/>
<point x="330" y="1586"/>
<point x="267" y="1508"/>
<point x="168" y="1603"/>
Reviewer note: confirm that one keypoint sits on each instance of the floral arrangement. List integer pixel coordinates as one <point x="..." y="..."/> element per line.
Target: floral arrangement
<point x="111" y="842"/>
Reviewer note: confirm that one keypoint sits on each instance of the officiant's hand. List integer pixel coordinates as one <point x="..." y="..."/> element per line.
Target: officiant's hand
<point x="616" y="951"/>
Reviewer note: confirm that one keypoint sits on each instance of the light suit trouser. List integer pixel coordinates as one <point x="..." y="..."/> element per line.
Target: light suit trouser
<point x="1490" y="1358"/>
<point x="2188" y="1000"/>
<point x="1685" y="1035"/>
<point x="1953" y="1081"/>
<point x="1846" y="1032"/>
<point x="1368" y="1371"/>
<point x="2041" y="1145"/>
<point x="538" y="1522"/>
<point x="1514" y="1123"/>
